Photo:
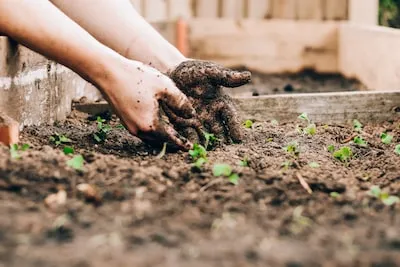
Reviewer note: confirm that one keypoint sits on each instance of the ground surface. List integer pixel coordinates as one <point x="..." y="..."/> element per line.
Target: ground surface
<point x="160" y="212"/>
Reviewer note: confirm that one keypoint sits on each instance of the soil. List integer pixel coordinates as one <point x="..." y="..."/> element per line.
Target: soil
<point x="306" y="81"/>
<point x="163" y="212"/>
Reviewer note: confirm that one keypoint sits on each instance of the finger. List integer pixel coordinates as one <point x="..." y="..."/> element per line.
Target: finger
<point x="171" y="136"/>
<point x="234" y="129"/>
<point x="177" y="102"/>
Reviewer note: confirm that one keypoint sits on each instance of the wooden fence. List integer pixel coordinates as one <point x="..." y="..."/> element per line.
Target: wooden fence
<point x="161" y="10"/>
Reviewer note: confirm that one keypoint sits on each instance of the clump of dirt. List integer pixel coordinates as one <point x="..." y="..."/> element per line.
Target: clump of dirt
<point x="307" y="81"/>
<point x="163" y="212"/>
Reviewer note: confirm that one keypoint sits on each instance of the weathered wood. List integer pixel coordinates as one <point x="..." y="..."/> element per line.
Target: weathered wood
<point x="155" y="10"/>
<point x="284" y="9"/>
<point x="267" y="46"/>
<point x="364" y="11"/>
<point x="258" y="9"/>
<point x="206" y="8"/>
<point x="336" y="9"/>
<point x="179" y="9"/>
<point x="343" y="107"/>
<point x="310" y="9"/>
<point x="232" y="9"/>
<point x="370" y="54"/>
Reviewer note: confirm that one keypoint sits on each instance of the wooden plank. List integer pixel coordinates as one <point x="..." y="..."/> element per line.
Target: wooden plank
<point x="232" y="9"/>
<point x="284" y="9"/>
<point x="206" y="8"/>
<point x="342" y="107"/>
<point x="258" y="9"/>
<point x="179" y="9"/>
<point x="270" y="46"/>
<point x="324" y="107"/>
<point x="370" y="54"/>
<point x="364" y="11"/>
<point x="336" y="9"/>
<point x="155" y="10"/>
<point x="310" y="9"/>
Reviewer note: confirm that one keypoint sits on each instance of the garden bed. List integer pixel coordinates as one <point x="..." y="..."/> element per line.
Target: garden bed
<point x="161" y="212"/>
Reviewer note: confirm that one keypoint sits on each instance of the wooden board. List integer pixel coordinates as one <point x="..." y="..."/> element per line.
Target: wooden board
<point x="284" y="9"/>
<point x="372" y="107"/>
<point x="258" y="9"/>
<point x="336" y="9"/>
<point x="179" y="9"/>
<point x="232" y="9"/>
<point x="155" y="10"/>
<point x="206" y="8"/>
<point x="370" y="54"/>
<point x="364" y="11"/>
<point x="270" y="46"/>
<point x="310" y="9"/>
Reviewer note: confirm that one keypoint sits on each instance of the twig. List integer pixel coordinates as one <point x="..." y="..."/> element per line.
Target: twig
<point x="349" y="139"/>
<point x="211" y="183"/>
<point x="303" y="183"/>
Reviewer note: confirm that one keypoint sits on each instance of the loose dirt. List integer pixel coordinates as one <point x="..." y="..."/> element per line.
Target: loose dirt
<point x="162" y="212"/>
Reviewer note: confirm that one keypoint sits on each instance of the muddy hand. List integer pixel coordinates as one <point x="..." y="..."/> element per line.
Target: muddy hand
<point x="202" y="81"/>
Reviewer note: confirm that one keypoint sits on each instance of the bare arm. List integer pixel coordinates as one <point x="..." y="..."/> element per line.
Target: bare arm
<point x="117" y="24"/>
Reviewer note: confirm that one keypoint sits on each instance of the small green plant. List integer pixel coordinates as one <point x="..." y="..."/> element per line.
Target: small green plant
<point x="269" y="140"/>
<point x="386" y="199"/>
<point x="120" y="126"/>
<point x="358" y="140"/>
<point x="199" y="162"/>
<point x="344" y="154"/>
<point x="386" y="138"/>
<point x="275" y="122"/>
<point x="102" y="130"/>
<point x="314" y="165"/>
<point x="226" y="171"/>
<point x="397" y="150"/>
<point x="293" y="149"/>
<point x="311" y="128"/>
<point x="334" y="194"/>
<point x="198" y="151"/>
<point x="357" y="126"/>
<point x="15" y="150"/>
<point x="59" y="139"/>
<point x="76" y="162"/>
<point x="248" y="124"/>
<point x="331" y="148"/>
<point x="68" y="150"/>
<point x="286" y="165"/>
<point x="244" y="162"/>
<point x="210" y="140"/>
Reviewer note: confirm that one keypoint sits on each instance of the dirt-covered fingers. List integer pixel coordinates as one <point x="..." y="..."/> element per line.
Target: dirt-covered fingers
<point x="232" y="124"/>
<point x="176" y="101"/>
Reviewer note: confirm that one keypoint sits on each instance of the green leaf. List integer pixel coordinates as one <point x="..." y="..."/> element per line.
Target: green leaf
<point x="358" y="140"/>
<point x="286" y="165"/>
<point x="248" y="124"/>
<point x="314" y="165"/>
<point x="200" y="162"/>
<point x="269" y="140"/>
<point x="391" y="200"/>
<point x="97" y="138"/>
<point x="222" y="170"/>
<point x="292" y="148"/>
<point x="244" y="162"/>
<point x="162" y="152"/>
<point x="344" y="154"/>
<point x="63" y="139"/>
<point x="234" y="178"/>
<point x="357" y="125"/>
<point x="210" y="139"/>
<point x="24" y="147"/>
<point x="386" y="138"/>
<point x="397" y="150"/>
<point x="311" y="129"/>
<point x="120" y="126"/>
<point x="76" y="162"/>
<point x="68" y="150"/>
<point x="331" y="148"/>
<point x="198" y="151"/>
<point x="14" y="151"/>
<point x="334" y="194"/>
<point x="304" y="117"/>
<point x="375" y="191"/>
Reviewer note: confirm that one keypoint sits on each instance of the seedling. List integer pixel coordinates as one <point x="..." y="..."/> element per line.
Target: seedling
<point x="314" y="165"/>
<point x="386" y="199"/>
<point x="248" y="124"/>
<point x="304" y="117"/>
<point x="344" y="154"/>
<point x="226" y="171"/>
<point x="331" y="148"/>
<point x="244" y="162"/>
<point x="15" y="150"/>
<point x="397" y="150"/>
<point x="102" y="130"/>
<point x="386" y="138"/>
<point x="275" y="122"/>
<point x="293" y="149"/>
<point x="311" y="128"/>
<point x="120" y="126"/>
<point x="198" y="151"/>
<point x="286" y="165"/>
<point x="199" y="162"/>
<point x="357" y="125"/>
<point x="59" y="139"/>
<point x="334" y="194"/>
<point x="358" y="140"/>
<point x="68" y="150"/>
<point x="210" y="140"/>
<point x="269" y="140"/>
<point x="76" y="162"/>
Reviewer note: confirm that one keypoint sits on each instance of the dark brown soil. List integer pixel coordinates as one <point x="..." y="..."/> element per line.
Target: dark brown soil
<point x="161" y="212"/>
<point x="294" y="83"/>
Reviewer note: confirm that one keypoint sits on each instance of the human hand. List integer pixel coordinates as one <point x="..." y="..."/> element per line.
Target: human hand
<point x="135" y="91"/>
<point x="202" y="82"/>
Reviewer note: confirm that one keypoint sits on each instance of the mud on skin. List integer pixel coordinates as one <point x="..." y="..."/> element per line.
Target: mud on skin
<point x="202" y="82"/>
<point x="160" y="212"/>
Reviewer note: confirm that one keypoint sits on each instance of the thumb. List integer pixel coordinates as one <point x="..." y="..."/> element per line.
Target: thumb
<point x="177" y="102"/>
